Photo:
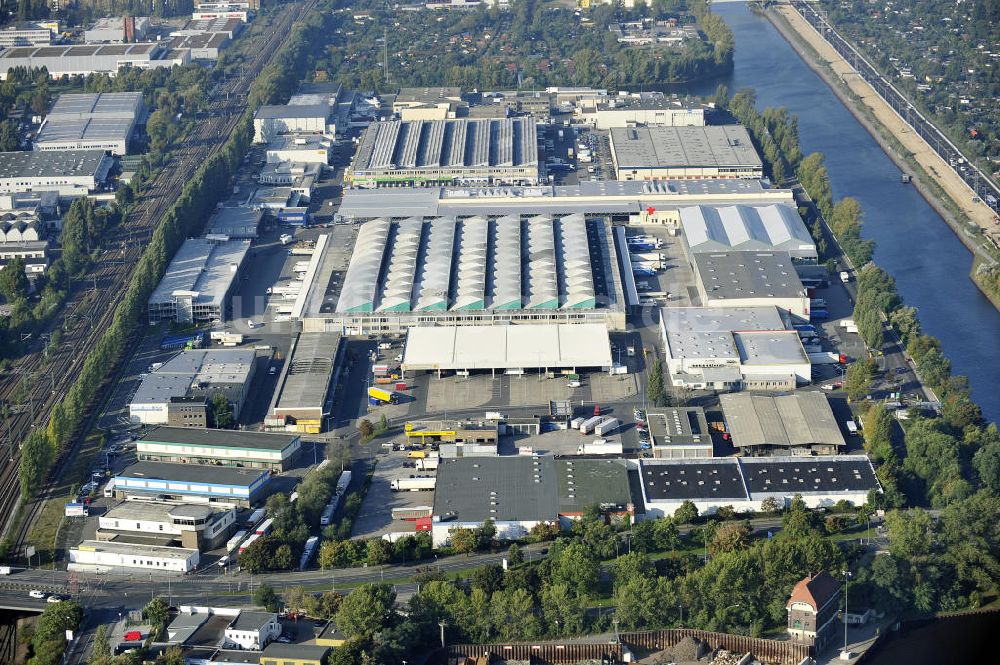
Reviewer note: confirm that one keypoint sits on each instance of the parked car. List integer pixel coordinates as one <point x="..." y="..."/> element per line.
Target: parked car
<point x="35" y="593"/>
<point x="56" y="598"/>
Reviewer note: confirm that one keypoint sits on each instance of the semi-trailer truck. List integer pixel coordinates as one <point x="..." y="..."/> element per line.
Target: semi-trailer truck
<point x="383" y="396"/>
<point x="588" y="425"/>
<point x="600" y="447"/>
<point x="605" y="426"/>
<point x="308" y="551"/>
<point x="412" y="484"/>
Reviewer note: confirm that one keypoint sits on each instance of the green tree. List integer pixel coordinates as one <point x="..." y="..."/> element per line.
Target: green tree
<point x="562" y="611"/>
<point x="655" y="391"/>
<point x="222" y="411"/>
<point x="576" y="566"/>
<point x="489" y="578"/>
<point x="514" y="556"/>
<point x="101" y="652"/>
<point x="513" y="615"/>
<point x="13" y="281"/>
<point x="858" y="379"/>
<point x="686" y="513"/>
<point x="8" y="136"/>
<point x="463" y="541"/>
<point x="910" y="534"/>
<point x="378" y="552"/>
<point x="366" y="429"/>
<point x="264" y="596"/>
<point x="366" y="610"/>
<point x="157" y="612"/>
<point x="730" y="537"/>
<point x="633" y="566"/>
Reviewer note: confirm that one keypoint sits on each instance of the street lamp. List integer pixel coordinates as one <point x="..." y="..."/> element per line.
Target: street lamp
<point x="847" y="576"/>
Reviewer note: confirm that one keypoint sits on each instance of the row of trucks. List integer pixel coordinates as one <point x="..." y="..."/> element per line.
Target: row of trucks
<point x="338" y="493"/>
<point x="599" y="425"/>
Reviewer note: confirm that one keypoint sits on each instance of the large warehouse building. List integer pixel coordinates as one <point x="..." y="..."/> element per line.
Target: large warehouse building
<point x="744" y="348"/>
<point x="750" y="279"/>
<point x="179" y="393"/>
<point x="253" y="450"/>
<point x="79" y="59"/>
<point x="91" y="121"/>
<point x="623" y="200"/>
<point x="744" y="483"/>
<point x="190" y="483"/>
<point x="475" y="271"/>
<point x="71" y="173"/>
<point x="303" y="395"/>
<point x="798" y="424"/>
<point x="488" y="152"/>
<point x="507" y="348"/>
<point x="198" y="282"/>
<point x="747" y="228"/>
<point x="270" y="122"/>
<point x="679" y="432"/>
<point x="518" y="493"/>
<point x="713" y="151"/>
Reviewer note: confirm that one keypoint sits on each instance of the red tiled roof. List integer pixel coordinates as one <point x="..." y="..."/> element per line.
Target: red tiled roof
<point x="815" y="590"/>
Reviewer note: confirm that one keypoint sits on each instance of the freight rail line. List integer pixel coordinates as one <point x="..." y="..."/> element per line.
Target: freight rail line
<point x="90" y="311"/>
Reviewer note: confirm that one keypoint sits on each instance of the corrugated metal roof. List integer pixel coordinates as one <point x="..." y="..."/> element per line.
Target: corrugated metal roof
<point x="799" y="419"/>
<point x="745" y="227"/>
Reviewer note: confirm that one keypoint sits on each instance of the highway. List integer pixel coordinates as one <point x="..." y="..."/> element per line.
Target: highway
<point x="90" y="309"/>
<point x="980" y="183"/>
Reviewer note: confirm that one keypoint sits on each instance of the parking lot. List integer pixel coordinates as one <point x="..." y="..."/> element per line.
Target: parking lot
<point x="375" y="516"/>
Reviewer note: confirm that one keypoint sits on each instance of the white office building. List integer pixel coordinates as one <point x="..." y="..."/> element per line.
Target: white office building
<point x="252" y="630"/>
<point x="105" y="557"/>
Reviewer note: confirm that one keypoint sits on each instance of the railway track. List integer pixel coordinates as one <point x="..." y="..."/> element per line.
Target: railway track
<point x="48" y="373"/>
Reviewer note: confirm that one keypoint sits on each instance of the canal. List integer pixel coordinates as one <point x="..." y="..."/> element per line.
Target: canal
<point x="914" y="244"/>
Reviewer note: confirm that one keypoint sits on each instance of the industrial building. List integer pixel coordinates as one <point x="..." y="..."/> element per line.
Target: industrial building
<point x="798" y="424"/>
<point x="744" y="483"/>
<point x="190" y="526"/>
<point x="428" y="103"/>
<point x="106" y="557"/>
<point x="511" y="349"/>
<point x="742" y="348"/>
<point x="470" y="272"/>
<point x="26" y="34"/>
<point x="117" y="29"/>
<point x="655" y="153"/>
<point x="204" y="46"/>
<point x="624" y="200"/>
<point x="456" y="438"/>
<point x="180" y="392"/>
<point x="299" y="149"/>
<point x="270" y="122"/>
<point x="191" y="483"/>
<point x="747" y="228"/>
<point x="235" y="223"/>
<point x="678" y="432"/>
<point x="82" y="60"/>
<point x="219" y="447"/>
<point x="750" y="279"/>
<point x="230" y="27"/>
<point x="433" y="152"/>
<point x="91" y="121"/>
<point x="198" y="282"/>
<point x="519" y="493"/>
<point x="302" y="398"/>
<point x="617" y="113"/>
<point x="252" y="630"/>
<point x="71" y="173"/>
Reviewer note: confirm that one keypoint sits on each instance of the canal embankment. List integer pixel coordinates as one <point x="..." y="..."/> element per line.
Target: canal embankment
<point x="931" y="176"/>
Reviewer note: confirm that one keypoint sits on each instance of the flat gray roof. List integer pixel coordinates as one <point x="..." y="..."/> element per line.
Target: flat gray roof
<point x="678" y="426"/>
<point x="69" y="163"/>
<point x="748" y="275"/>
<point x="474" y="489"/>
<point x="770" y="347"/>
<point x="203" y="267"/>
<point x="235" y="221"/>
<point x="219" y="438"/>
<point x="683" y="479"/>
<point x="784" y="475"/>
<point x="679" y="147"/>
<point x="138" y="549"/>
<point x="208" y="474"/>
<point x="214" y="367"/>
<point x="250" y="620"/>
<point x="89" y="104"/>
<point x="714" y="319"/>
<point x="428" y="95"/>
<point x="591" y="196"/>
<point x="292" y="111"/>
<point x="700" y="344"/>
<point x="101" y="128"/>
<point x="799" y="419"/>
<point x="310" y="369"/>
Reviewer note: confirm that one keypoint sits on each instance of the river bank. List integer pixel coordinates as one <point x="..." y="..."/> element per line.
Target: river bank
<point x="893" y="138"/>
